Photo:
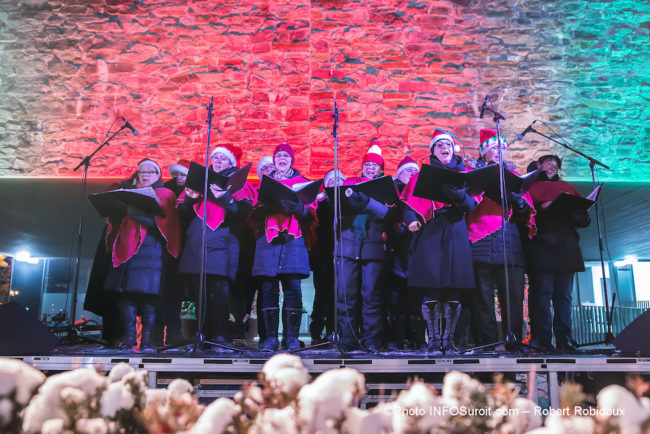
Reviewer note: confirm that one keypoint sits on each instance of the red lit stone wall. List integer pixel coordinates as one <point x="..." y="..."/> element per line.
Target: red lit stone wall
<point x="397" y="68"/>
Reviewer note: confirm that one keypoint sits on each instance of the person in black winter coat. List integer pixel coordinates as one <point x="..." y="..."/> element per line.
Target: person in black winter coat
<point x="360" y="262"/>
<point x="441" y="259"/>
<point x="281" y="255"/>
<point x="224" y="214"/>
<point x="487" y="236"/>
<point x="553" y="258"/>
<point x="404" y="312"/>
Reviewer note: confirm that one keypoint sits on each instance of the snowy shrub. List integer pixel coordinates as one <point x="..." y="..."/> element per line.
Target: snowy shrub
<point x="18" y="383"/>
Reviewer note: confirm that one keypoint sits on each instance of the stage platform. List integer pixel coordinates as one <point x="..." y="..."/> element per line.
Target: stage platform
<point x="222" y="374"/>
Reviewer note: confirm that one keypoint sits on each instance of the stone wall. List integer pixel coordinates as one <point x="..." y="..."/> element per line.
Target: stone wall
<point x="397" y="68"/>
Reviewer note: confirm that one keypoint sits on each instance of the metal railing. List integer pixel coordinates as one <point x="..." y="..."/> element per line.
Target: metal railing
<point x="590" y="322"/>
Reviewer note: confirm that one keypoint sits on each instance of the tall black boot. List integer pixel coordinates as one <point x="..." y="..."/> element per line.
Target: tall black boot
<point x="452" y="312"/>
<point x="292" y="328"/>
<point x="271" y="317"/>
<point x="432" y="313"/>
<point x="128" y="313"/>
<point x="148" y="318"/>
<point x="218" y="312"/>
<point x="396" y="331"/>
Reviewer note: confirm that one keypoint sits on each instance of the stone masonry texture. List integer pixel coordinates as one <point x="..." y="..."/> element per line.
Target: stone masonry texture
<point x="397" y="69"/>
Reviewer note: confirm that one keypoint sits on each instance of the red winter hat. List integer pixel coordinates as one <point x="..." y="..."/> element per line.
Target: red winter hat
<point x="488" y="140"/>
<point x="373" y="155"/>
<point x="182" y="167"/>
<point x="406" y="163"/>
<point x="231" y="151"/>
<point x="439" y="134"/>
<point x="284" y="146"/>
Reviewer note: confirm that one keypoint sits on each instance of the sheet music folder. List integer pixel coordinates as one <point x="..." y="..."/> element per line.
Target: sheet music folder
<point x="273" y="192"/>
<point x="381" y="189"/>
<point x="431" y="179"/>
<point x="110" y="203"/>
<point x="196" y="178"/>
<point x="566" y="204"/>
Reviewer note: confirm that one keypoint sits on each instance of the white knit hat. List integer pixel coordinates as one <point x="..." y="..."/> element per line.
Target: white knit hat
<point x="227" y="152"/>
<point x="263" y="162"/>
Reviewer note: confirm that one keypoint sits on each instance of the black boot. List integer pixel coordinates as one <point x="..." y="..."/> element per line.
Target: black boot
<point x="432" y="313"/>
<point x="396" y="330"/>
<point x="417" y="327"/>
<point x="316" y="331"/>
<point x="452" y="312"/>
<point x="218" y="314"/>
<point x="292" y="328"/>
<point x="148" y="318"/>
<point x="128" y="312"/>
<point x="271" y="317"/>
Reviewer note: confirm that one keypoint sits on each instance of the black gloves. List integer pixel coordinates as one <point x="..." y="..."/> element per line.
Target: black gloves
<point x="295" y="208"/>
<point x="453" y="194"/>
<point x="518" y="203"/>
<point x="358" y="201"/>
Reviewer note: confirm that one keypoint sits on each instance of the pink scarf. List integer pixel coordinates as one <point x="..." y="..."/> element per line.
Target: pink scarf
<point x="279" y="222"/>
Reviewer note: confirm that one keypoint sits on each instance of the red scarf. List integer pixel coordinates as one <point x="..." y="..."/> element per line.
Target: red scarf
<point x="215" y="214"/>
<point x="485" y="219"/>
<point x="125" y="241"/>
<point x="279" y="222"/>
<point x="546" y="191"/>
<point x="425" y="208"/>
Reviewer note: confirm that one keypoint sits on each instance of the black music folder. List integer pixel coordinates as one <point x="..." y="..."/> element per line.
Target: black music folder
<point x="514" y="183"/>
<point x="112" y="203"/>
<point x="196" y="178"/>
<point x="566" y="204"/>
<point x="273" y="192"/>
<point x="381" y="189"/>
<point x="431" y="179"/>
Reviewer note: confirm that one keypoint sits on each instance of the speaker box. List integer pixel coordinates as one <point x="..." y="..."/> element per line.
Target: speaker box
<point x="21" y="334"/>
<point x="633" y="338"/>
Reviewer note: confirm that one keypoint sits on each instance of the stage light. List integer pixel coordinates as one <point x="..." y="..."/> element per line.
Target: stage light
<point x="628" y="260"/>
<point x="24" y="256"/>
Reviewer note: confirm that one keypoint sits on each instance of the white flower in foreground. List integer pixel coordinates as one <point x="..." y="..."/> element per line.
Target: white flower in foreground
<point x="117" y="397"/>
<point x="53" y="426"/>
<point x="322" y="403"/>
<point x="523" y="417"/>
<point x="557" y="424"/>
<point x="413" y="410"/>
<point x="155" y="397"/>
<point x="15" y="374"/>
<point x="92" y="426"/>
<point x="458" y="389"/>
<point x="179" y="387"/>
<point x="377" y="420"/>
<point x="626" y="411"/>
<point x="216" y="417"/>
<point x="6" y="410"/>
<point x="118" y="371"/>
<point x="276" y="421"/>
<point x="47" y="403"/>
<point x="286" y="374"/>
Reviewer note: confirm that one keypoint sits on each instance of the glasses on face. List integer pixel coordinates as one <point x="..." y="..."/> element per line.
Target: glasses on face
<point x="444" y="144"/>
<point x="410" y="171"/>
<point x="147" y="172"/>
<point x="220" y="157"/>
<point x="370" y="165"/>
<point x="282" y="154"/>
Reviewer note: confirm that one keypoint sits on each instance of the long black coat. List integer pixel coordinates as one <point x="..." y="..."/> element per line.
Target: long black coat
<point x="556" y="247"/>
<point x="440" y="252"/>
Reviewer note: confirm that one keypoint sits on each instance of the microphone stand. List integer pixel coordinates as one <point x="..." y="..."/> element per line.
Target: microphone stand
<point x="200" y="307"/>
<point x="609" y="336"/>
<point x="334" y="339"/>
<point x="73" y="337"/>
<point x="510" y="340"/>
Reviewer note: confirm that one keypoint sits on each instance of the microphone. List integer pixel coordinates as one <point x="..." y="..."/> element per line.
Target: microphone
<point x="129" y="126"/>
<point x="528" y="129"/>
<point x="484" y="106"/>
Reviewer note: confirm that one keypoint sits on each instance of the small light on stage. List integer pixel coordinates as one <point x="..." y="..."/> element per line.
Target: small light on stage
<point x="24" y="256"/>
<point x="628" y="260"/>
